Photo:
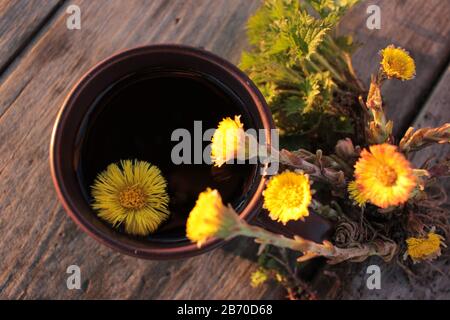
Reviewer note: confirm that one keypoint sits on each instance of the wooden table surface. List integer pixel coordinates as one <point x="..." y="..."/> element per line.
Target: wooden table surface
<point x="40" y="60"/>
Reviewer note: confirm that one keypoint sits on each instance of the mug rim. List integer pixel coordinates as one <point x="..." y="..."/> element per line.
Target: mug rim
<point x="184" y="251"/>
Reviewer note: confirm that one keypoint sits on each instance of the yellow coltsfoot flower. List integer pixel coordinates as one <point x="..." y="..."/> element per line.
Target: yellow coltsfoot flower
<point x="287" y="196"/>
<point x="397" y="63"/>
<point x="229" y="141"/>
<point x="258" y="277"/>
<point x="428" y="248"/>
<point x="210" y="218"/>
<point x="132" y="194"/>
<point x="383" y="177"/>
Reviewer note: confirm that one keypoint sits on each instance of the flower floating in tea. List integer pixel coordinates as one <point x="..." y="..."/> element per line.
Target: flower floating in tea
<point x="424" y="248"/>
<point x="132" y="194"/>
<point x="210" y="218"/>
<point x="397" y="63"/>
<point x="383" y="177"/>
<point x="229" y="141"/>
<point x="288" y="196"/>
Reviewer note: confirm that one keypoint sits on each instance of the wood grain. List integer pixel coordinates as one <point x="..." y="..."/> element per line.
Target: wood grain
<point x="19" y="21"/>
<point x="435" y="113"/>
<point x="422" y="28"/>
<point x="39" y="241"/>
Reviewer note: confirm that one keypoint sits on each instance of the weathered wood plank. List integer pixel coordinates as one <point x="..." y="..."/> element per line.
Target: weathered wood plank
<point x="435" y="113"/>
<point x="422" y="28"/>
<point x="19" y="21"/>
<point x="38" y="239"/>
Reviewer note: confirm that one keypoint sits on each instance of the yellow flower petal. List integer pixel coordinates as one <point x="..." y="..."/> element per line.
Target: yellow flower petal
<point x="228" y="141"/>
<point x="288" y="196"/>
<point x="133" y="194"/>
<point x="210" y="218"/>
<point x="355" y="194"/>
<point x="258" y="277"/>
<point x="428" y="248"/>
<point x="383" y="176"/>
<point x="397" y="63"/>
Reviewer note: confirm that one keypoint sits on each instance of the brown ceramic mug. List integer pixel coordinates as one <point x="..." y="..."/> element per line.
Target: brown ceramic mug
<point x="79" y="150"/>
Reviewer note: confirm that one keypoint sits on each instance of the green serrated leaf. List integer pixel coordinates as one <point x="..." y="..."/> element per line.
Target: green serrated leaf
<point x="296" y="60"/>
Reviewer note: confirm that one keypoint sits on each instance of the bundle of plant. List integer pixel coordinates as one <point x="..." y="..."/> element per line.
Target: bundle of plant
<point x="304" y="69"/>
<point x="380" y="203"/>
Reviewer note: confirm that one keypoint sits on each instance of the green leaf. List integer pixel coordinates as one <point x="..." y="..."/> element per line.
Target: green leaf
<point x="310" y="90"/>
<point x="326" y="7"/>
<point x="294" y="105"/>
<point x="281" y="44"/>
<point x="296" y="61"/>
<point x="309" y="38"/>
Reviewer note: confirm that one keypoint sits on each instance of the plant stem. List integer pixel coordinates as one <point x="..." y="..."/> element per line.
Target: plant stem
<point x="328" y="66"/>
<point x="310" y="249"/>
<point x="328" y="175"/>
<point x="325" y="211"/>
<point x="267" y="237"/>
<point x="348" y="60"/>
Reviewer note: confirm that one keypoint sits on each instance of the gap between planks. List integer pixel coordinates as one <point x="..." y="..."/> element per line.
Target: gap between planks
<point x="28" y="42"/>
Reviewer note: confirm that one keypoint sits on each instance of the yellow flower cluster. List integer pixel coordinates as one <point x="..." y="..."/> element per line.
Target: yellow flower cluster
<point x="132" y="194"/>
<point x="287" y="195"/>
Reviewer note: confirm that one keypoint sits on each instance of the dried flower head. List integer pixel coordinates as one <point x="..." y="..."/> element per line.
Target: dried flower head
<point x="428" y="248"/>
<point x="258" y="277"/>
<point x="374" y="99"/>
<point x="415" y="140"/>
<point x="132" y="194"/>
<point x="383" y="177"/>
<point x="288" y="196"/>
<point x="397" y="63"/>
<point x="210" y="218"/>
<point x="228" y="141"/>
<point x="346" y="150"/>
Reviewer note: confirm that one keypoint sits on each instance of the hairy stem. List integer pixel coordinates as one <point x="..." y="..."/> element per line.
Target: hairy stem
<point x="312" y="249"/>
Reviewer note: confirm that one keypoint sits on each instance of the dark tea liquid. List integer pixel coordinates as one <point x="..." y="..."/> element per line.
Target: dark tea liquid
<point x="135" y="118"/>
